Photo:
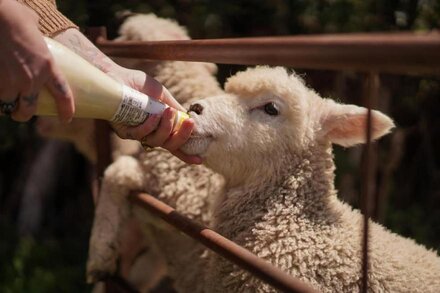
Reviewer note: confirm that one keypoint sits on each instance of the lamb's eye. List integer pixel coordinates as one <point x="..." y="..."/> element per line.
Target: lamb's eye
<point x="271" y="109"/>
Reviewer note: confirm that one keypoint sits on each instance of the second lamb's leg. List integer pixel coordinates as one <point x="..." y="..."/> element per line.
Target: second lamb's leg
<point x="111" y="213"/>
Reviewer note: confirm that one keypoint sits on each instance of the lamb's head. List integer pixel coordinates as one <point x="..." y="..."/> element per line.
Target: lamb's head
<point x="267" y="116"/>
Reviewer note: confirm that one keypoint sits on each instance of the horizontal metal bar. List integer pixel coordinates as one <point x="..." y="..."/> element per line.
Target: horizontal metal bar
<point x="221" y="245"/>
<point x="385" y="52"/>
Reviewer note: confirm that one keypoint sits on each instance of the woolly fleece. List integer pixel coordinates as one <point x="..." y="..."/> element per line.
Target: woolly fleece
<point x="186" y="188"/>
<point x="282" y="204"/>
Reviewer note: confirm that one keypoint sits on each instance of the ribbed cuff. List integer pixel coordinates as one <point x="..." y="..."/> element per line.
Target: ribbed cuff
<point x="51" y="21"/>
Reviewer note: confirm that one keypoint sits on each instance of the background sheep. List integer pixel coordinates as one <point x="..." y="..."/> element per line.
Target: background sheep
<point x="157" y="172"/>
<point x="271" y="137"/>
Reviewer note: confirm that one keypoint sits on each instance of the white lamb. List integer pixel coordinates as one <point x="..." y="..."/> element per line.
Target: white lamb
<point x="271" y="138"/>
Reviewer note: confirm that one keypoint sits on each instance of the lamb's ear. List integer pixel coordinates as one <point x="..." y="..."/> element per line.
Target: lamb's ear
<point x="346" y="124"/>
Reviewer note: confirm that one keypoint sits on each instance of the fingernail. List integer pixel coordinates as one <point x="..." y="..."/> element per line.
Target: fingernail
<point x="190" y="122"/>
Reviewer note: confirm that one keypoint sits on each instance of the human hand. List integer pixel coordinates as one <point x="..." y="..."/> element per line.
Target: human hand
<point x="156" y="131"/>
<point x="26" y="65"/>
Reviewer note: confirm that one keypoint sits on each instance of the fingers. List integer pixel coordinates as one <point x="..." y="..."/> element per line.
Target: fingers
<point x="164" y="130"/>
<point x="154" y="131"/>
<point x="138" y="132"/>
<point x="27" y="99"/>
<point x="173" y="141"/>
<point x="157" y="131"/>
<point x="30" y="88"/>
<point x="27" y="105"/>
<point x="8" y="94"/>
<point x="14" y="87"/>
<point x="177" y="139"/>
<point x="62" y="94"/>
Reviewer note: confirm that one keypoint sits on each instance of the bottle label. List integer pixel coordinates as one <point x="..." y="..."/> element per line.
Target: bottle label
<point x="135" y="107"/>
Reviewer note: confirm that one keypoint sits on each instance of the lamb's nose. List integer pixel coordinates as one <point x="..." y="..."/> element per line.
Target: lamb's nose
<point x="197" y="108"/>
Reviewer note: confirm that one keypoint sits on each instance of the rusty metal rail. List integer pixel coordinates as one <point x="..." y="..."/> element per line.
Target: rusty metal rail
<point x="405" y="53"/>
<point x="221" y="245"/>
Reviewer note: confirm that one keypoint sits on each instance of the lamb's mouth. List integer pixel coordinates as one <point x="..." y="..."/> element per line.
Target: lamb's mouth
<point x="197" y="144"/>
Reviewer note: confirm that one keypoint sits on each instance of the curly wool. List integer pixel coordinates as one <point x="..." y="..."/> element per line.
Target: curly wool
<point x="187" y="188"/>
<point x="149" y="27"/>
<point x="300" y="226"/>
<point x="190" y="190"/>
<point x="283" y="205"/>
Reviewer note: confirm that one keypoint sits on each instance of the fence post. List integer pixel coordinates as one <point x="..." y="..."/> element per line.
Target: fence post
<point x="370" y="92"/>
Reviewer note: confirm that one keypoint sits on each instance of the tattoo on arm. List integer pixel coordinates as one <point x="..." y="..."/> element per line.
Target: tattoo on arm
<point x="60" y="86"/>
<point x="83" y="47"/>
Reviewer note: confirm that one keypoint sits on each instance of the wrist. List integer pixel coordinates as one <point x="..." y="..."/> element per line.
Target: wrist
<point x="117" y="70"/>
<point x="77" y="42"/>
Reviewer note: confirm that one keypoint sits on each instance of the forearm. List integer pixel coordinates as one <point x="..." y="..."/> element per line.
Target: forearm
<point x="77" y="42"/>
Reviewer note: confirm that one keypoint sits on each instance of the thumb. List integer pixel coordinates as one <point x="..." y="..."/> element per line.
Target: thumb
<point x="157" y="91"/>
<point x="168" y="99"/>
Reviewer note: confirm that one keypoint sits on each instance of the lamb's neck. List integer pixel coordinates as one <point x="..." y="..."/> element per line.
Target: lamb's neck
<point x="305" y="187"/>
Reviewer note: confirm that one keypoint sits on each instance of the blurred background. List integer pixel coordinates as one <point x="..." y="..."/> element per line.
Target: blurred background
<point x="46" y="206"/>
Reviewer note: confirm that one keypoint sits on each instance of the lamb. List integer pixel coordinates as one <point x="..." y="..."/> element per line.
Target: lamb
<point x="159" y="173"/>
<point x="271" y="138"/>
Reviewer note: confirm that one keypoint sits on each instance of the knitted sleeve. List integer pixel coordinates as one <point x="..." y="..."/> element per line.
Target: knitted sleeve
<point x="51" y="21"/>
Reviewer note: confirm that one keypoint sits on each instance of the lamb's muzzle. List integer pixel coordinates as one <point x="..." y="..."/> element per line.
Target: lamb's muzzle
<point x="197" y="144"/>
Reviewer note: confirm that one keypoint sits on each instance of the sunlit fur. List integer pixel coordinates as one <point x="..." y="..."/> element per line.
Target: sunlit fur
<point x="280" y="201"/>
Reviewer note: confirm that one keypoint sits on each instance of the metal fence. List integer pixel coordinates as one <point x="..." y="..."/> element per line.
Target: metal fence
<point x="402" y="53"/>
